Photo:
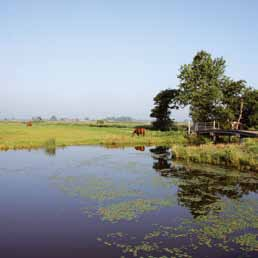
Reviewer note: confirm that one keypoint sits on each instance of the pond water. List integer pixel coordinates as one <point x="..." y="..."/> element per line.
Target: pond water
<point x="132" y="202"/>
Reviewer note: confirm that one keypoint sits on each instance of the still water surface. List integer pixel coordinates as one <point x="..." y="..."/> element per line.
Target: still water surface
<point x="133" y="202"/>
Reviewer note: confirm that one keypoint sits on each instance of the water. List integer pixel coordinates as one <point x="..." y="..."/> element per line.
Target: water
<point x="131" y="202"/>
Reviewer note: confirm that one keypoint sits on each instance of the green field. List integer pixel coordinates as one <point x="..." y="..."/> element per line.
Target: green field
<point x="15" y="135"/>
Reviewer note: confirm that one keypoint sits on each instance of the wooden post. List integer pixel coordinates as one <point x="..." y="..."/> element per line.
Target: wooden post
<point x="214" y="138"/>
<point x="189" y="127"/>
<point x="214" y="124"/>
<point x="196" y="126"/>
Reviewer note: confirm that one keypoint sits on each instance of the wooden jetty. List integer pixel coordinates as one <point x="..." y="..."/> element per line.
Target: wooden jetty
<point x="213" y="129"/>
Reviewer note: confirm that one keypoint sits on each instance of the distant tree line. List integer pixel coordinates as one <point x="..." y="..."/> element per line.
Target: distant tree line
<point x="119" y="119"/>
<point x="210" y="95"/>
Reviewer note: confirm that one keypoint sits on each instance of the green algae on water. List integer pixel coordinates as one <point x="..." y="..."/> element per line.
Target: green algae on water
<point x="130" y="210"/>
<point x="221" y="230"/>
<point x="248" y="242"/>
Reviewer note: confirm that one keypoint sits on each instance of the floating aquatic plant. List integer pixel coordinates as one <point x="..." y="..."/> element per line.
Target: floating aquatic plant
<point x="95" y="188"/>
<point x="130" y="210"/>
<point x="248" y="242"/>
<point x="222" y="214"/>
<point x="213" y="231"/>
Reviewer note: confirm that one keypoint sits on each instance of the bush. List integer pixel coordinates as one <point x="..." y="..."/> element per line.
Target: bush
<point x="100" y="122"/>
<point x="197" y="139"/>
<point x="50" y="143"/>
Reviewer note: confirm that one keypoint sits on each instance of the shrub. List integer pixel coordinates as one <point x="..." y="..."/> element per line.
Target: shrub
<point x="50" y="143"/>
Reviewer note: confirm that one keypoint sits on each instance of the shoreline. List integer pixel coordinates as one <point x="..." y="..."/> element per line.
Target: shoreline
<point x="221" y="159"/>
<point x="43" y="135"/>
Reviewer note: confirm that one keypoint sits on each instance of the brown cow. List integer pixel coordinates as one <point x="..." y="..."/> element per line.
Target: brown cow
<point x="29" y="123"/>
<point x="139" y="131"/>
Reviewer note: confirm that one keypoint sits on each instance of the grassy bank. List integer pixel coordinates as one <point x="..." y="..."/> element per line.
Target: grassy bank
<point x="48" y="135"/>
<point x="243" y="157"/>
<point x="15" y="135"/>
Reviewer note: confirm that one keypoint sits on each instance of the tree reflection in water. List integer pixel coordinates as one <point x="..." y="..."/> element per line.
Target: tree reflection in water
<point x="200" y="190"/>
<point x="50" y="151"/>
<point x="162" y="158"/>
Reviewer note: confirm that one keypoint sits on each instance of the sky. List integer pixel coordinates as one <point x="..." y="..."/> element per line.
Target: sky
<point x="110" y="58"/>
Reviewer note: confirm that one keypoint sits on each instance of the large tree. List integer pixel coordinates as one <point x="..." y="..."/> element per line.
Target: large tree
<point x="201" y="84"/>
<point x="250" y="110"/>
<point x="232" y="102"/>
<point x="210" y="95"/>
<point x="164" y="101"/>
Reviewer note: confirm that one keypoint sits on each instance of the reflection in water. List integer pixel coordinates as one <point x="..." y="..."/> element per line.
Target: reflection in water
<point x="140" y="208"/>
<point x="162" y="158"/>
<point x="199" y="190"/>
<point x="126" y="191"/>
<point x="139" y="148"/>
<point x="50" y="151"/>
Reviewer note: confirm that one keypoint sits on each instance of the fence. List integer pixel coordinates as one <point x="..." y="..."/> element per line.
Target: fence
<point x="204" y="126"/>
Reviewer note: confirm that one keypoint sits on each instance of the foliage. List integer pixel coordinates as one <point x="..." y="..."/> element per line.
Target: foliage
<point x="210" y="94"/>
<point x="100" y="122"/>
<point x="53" y="118"/>
<point x="243" y="157"/>
<point x="37" y="119"/>
<point x="50" y="147"/>
<point x="250" y="111"/>
<point x="200" y="86"/>
<point x="233" y="94"/>
<point x="164" y="102"/>
<point x="197" y="139"/>
<point x="119" y="119"/>
<point x="50" y="143"/>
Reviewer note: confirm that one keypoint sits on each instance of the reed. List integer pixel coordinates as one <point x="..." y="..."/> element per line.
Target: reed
<point x="50" y="143"/>
<point x="242" y="157"/>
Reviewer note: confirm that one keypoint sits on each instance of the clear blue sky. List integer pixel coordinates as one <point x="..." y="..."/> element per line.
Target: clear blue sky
<point x="102" y="58"/>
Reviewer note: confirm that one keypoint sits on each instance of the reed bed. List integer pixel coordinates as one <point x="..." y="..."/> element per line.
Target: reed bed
<point x="242" y="157"/>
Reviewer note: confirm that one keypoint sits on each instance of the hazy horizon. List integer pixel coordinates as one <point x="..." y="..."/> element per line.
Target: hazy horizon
<point x="110" y="58"/>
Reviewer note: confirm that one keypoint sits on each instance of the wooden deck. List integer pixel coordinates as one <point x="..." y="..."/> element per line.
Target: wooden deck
<point x="239" y="133"/>
<point x="213" y="129"/>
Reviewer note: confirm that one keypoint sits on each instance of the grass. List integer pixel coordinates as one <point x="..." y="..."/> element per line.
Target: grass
<point x="49" y="135"/>
<point x="15" y="135"/>
<point x="243" y="157"/>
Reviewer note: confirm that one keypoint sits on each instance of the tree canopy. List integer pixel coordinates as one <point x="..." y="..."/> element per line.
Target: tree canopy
<point x="250" y="112"/>
<point x="209" y="93"/>
<point x="163" y="103"/>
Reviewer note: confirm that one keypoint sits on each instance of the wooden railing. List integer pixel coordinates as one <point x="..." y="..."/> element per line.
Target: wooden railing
<point x="203" y="126"/>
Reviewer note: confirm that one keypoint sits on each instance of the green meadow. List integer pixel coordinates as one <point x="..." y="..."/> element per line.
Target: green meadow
<point x="49" y="135"/>
<point x="14" y="135"/>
